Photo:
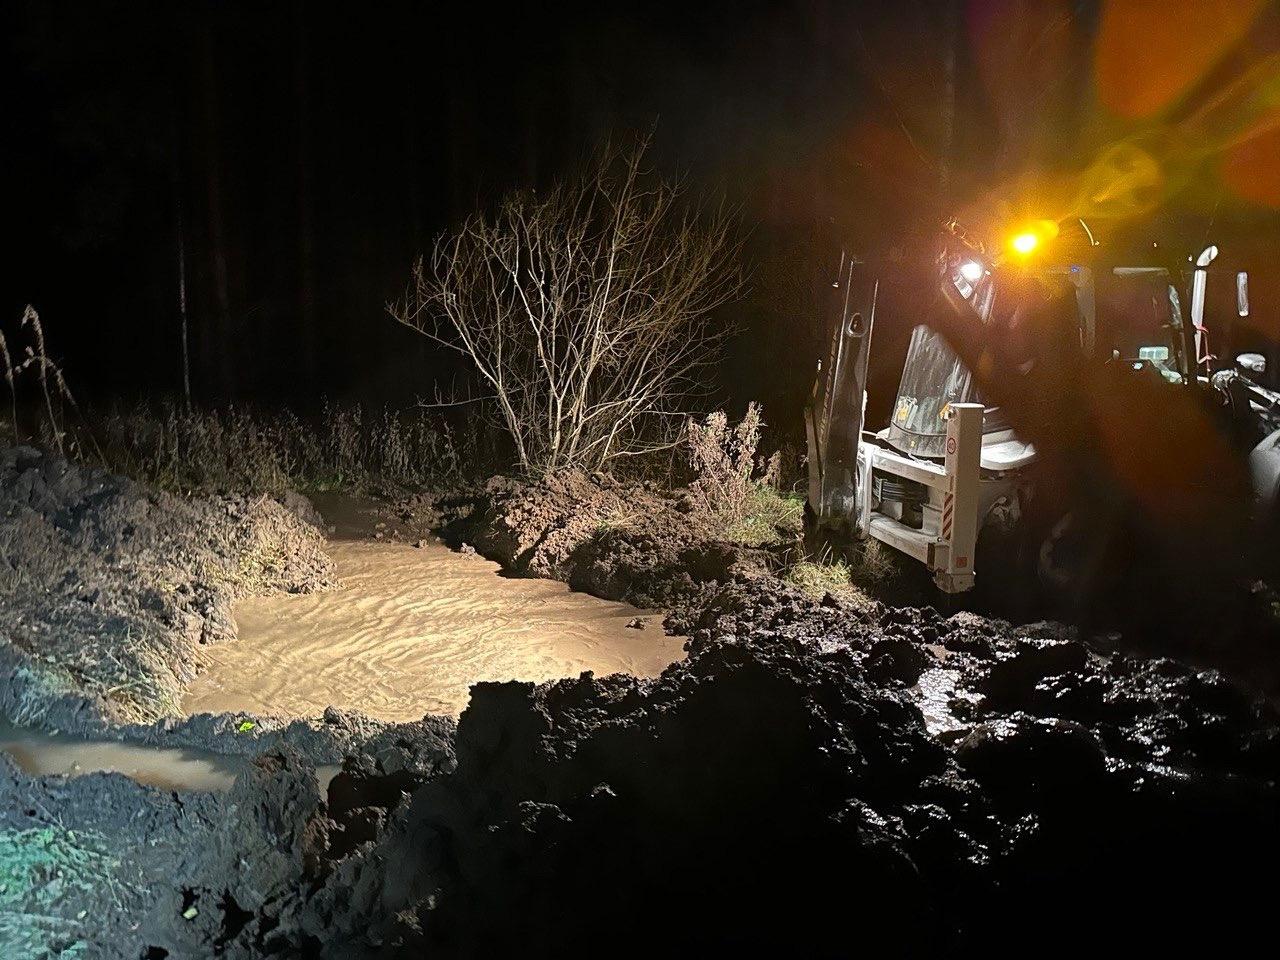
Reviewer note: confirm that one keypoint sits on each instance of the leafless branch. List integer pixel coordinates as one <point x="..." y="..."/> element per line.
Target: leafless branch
<point x="589" y="312"/>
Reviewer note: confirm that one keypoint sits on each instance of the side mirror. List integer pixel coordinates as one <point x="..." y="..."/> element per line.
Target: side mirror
<point x="1252" y="362"/>
<point x="1242" y="293"/>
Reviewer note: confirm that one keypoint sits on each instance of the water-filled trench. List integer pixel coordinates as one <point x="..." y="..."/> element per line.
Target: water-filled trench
<point x="410" y="629"/>
<point x="405" y="634"/>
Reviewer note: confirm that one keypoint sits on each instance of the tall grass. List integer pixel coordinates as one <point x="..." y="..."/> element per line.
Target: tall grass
<point x="231" y="448"/>
<point x="31" y="362"/>
<point x="236" y="448"/>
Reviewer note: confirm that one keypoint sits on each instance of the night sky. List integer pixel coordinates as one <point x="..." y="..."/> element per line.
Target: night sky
<point x="295" y="156"/>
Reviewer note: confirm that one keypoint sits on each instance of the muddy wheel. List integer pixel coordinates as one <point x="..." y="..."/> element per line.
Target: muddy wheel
<point x="1069" y="561"/>
<point x="1005" y="573"/>
<point x="820" y="540"/>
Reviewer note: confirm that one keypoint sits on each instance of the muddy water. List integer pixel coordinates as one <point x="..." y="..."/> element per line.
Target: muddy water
<point x="409" y="630"/>
<point x="171" y="768"/>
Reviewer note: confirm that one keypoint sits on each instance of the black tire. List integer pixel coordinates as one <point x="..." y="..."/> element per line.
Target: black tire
<point x="1005" y="582"/>
<point x="820" y="540"/>
<point x="1073" y="555"/>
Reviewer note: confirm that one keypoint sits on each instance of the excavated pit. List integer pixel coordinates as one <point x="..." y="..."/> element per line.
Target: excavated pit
<point x="410" y="629"/>
<point x="813" y="778"/>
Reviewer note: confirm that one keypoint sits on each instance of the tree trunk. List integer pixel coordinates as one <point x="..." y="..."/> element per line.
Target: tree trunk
<point x="220" y="345"/>
<point x="306" y="233"/>
<point x="177" y="188"/>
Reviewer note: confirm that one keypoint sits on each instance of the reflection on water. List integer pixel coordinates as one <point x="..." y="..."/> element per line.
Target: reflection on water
<point x="933" y="694"/>
<point x="407" y="633"/>
<point x="169" y="768"/>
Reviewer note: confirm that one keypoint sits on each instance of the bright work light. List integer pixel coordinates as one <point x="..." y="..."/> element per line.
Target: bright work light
<point x="1032" y="236"/>
<point x="1024" y="243"/>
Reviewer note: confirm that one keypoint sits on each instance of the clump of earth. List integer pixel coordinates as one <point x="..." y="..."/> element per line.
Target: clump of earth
<point x="108" y="588"/>
<point x="619" y="540"/>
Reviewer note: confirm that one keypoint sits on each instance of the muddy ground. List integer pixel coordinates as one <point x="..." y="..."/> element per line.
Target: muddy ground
<point x="622" y="541"/>
<point x="817" y="778"/>
<point x="108" y="592"/>
<point x="88" y="863"/>
<point x="108" y="589"/>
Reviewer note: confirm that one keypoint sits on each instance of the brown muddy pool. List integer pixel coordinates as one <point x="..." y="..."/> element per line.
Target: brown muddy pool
<point x="406" y="634"/>
<point x="409" y="630"/>
<point x="171" y="768"/>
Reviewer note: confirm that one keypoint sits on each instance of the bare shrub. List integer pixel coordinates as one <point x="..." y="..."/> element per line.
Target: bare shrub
<point x="737" y="486"/>
<point x="587" y="312"/>
<point x="724" y="458"/>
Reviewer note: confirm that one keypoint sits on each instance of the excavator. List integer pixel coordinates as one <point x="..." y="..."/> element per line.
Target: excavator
<point x="958" y="474"/>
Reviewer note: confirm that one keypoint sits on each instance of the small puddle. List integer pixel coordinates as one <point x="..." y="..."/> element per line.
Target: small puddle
<point x="170" y="768"/>
<point x="408" y="632"/>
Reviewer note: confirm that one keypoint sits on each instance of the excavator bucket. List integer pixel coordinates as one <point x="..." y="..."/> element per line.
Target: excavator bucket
<point x="834" y="416"/>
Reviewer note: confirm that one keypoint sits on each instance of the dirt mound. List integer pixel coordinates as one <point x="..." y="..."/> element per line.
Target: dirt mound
<point x="617" y="540"/>
<point x="79" y="857"/>
<point x="108" y="588"/>
<point x="288" y="868"/>
<point x="84" y="861"/>
<point x="780" y="793"/>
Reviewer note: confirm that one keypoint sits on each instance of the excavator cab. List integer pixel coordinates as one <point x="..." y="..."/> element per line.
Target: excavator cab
<point x="1147" y="321"/>
<point x="947" y="465"/>
<point x="934" y="378"/>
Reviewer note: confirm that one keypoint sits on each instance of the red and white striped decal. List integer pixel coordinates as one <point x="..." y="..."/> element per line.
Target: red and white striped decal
<point x="948" y="511"/>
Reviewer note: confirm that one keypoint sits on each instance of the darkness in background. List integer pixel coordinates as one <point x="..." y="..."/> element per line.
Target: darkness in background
<point x="305" y="151"/>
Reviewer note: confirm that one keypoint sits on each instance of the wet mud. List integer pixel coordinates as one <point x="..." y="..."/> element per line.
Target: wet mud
<point x="622" y="541"/>
<point x="814" y="779"/>
<point x="109" y="590"/>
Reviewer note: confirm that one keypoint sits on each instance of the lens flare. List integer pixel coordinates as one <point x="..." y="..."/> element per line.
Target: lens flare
<point x="1148" y="55"/>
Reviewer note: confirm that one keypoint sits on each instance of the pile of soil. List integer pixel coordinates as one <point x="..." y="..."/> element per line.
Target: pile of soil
<point x="780" y="793"/>
<point x="86" y="860"/>
<point x="108" y="588"/>
<point x="622" y="541"/>
<point x="81" y="857"/>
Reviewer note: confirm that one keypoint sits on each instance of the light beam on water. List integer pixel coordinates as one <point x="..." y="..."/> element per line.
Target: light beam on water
<point x="407" y="633"/>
